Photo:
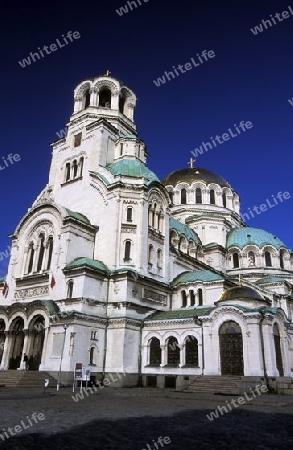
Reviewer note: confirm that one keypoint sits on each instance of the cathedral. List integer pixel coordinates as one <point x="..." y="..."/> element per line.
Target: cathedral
<point x="158" y="281"/>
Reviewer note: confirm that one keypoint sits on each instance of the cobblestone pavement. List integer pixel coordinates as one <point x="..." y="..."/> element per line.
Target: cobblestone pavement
<point x="129" y="419"/>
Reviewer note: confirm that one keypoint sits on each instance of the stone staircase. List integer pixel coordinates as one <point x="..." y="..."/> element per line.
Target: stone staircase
<point x="22" y="378"/>
<point x="227" y="385"/>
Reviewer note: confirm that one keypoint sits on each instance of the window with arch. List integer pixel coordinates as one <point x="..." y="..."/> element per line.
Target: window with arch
<point x="183" y="196"/>
<point x="41" y="244"/>
<point x="282" y="259"/>
<point x="154" y="215"/>
<point x="151" y="254"/>
<point x="67" y="172"/>
<point x="70" y="285"/>
<point x="251" y="258"/>
<point x="191" y="351"/>
<point x="235" y="258"/>
<point x="224" y="199"/>
<point x="121" y="149"/>
<point x="184" y="298"/>
<point x="129" y="214"/>
<point x="212" y="197"/>
<point x="155" y="352"/>
<point x="87" y="98"/>
<point x="173" y="351"/>
<point x="81" y="161"/>
<point x="122" y="100"/>
<point x="92" y="356"/>
<point x="50" y="252"/>
<point x="192" y="297"/>
<point x="74" y="169"/>
<point x="198" y="195"/>
<point x="31" y="253"/>
<point x="77" y="140"/>
<point x="268" y="259"/>
<point x="200" y="297"/>
<point x="159" y="258"/>
<point x="105" y="98"/>
<point x="171" y="196"/>
<point x="127" y="251"/>
<point x="94" y="334"/>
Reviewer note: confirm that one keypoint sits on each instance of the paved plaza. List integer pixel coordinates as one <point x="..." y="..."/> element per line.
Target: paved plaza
<point x="136" y="419"/>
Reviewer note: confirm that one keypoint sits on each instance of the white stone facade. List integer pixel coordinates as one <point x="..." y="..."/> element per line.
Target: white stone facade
<point x="144" y="273"/>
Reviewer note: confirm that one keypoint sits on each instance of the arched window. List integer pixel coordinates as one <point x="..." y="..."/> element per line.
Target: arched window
<point x="251" y="259"/>
<point x="81" y="161"/>
<point x="171" y="196"/>
<point x="121" y="149"/>
<point x="282" y="259"/>
<point x="87" y="98"/>
<point x="192" y="298"/>
<point x="50" y="252"/>
<point x="41" y="252"/>
<point x="159" y="258"/>
<point x="67" y="172"/>
<point x="70" y="289"/>
<point x="151" y="254"/>
<point x="77" y="140"/>
<point x="184" y="298"/>
<point x="129" y="214"/>
<point x="122" y="99"/>
<point x="235" y="260"/>
<point x="31" y="253"/>
<point x="74" y="169"/>
<point x="224" y="200"/>
<point x="154" y="215"/>
<point x="127" y="250"/>
<point x="92" y="356"/>
<point x="183" y="196"/>
<point x="173" y="351"/>
<point x="198" y="196"/>
<point x="212" y="197"/>
<point x="155" y="352"/>
<point x="200" y="297"/>
<point x="191" y="351"/>
<point x="268" y="259"/>
<point x="105" y="98"/>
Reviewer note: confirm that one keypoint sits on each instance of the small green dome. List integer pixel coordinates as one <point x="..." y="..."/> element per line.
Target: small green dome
<point x="131" y="168"/>
<point x="240" y="293"/>
<point x="241" y="237"/>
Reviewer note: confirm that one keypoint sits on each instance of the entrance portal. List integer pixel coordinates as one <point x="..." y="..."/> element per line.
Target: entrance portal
<point x="17" y="334"/>
<point x="2" y="338"/>
<point x="231" y="349"/>
<point x="37" y="336"/>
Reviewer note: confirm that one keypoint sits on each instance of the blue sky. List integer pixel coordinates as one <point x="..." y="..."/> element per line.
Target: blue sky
<point x="250" y="79"/>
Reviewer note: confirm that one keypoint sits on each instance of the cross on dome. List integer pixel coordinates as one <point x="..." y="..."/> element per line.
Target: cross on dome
<point x="191" y="161"/>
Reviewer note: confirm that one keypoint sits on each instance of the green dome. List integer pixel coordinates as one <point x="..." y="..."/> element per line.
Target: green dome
<point x="240" y="293"/>
<point x="241" y="237"/>
<point x="190" y="175"/>
<point x="131" y="168"/>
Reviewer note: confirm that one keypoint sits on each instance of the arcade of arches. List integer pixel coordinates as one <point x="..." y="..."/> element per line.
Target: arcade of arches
<point x="16" y="341"/>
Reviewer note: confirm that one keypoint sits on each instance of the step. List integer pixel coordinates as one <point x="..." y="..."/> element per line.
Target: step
<point x="17" y="378"/>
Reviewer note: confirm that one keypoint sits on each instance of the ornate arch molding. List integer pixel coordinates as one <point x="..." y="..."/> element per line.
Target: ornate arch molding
<point x="4" y="316"/>
<point x="80" y="90"/>
<point x="223" y="314"/>
<point x="269" y="248"/>
<point x="105" y="83"/>
<point x="150" y="336"/>
<point x="55" y="210"/>
<point x="130" y="96"/>
<point x="158" y="195"/>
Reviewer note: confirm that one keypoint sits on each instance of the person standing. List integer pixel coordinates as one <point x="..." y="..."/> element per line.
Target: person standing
<point x="25" y="360"/>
